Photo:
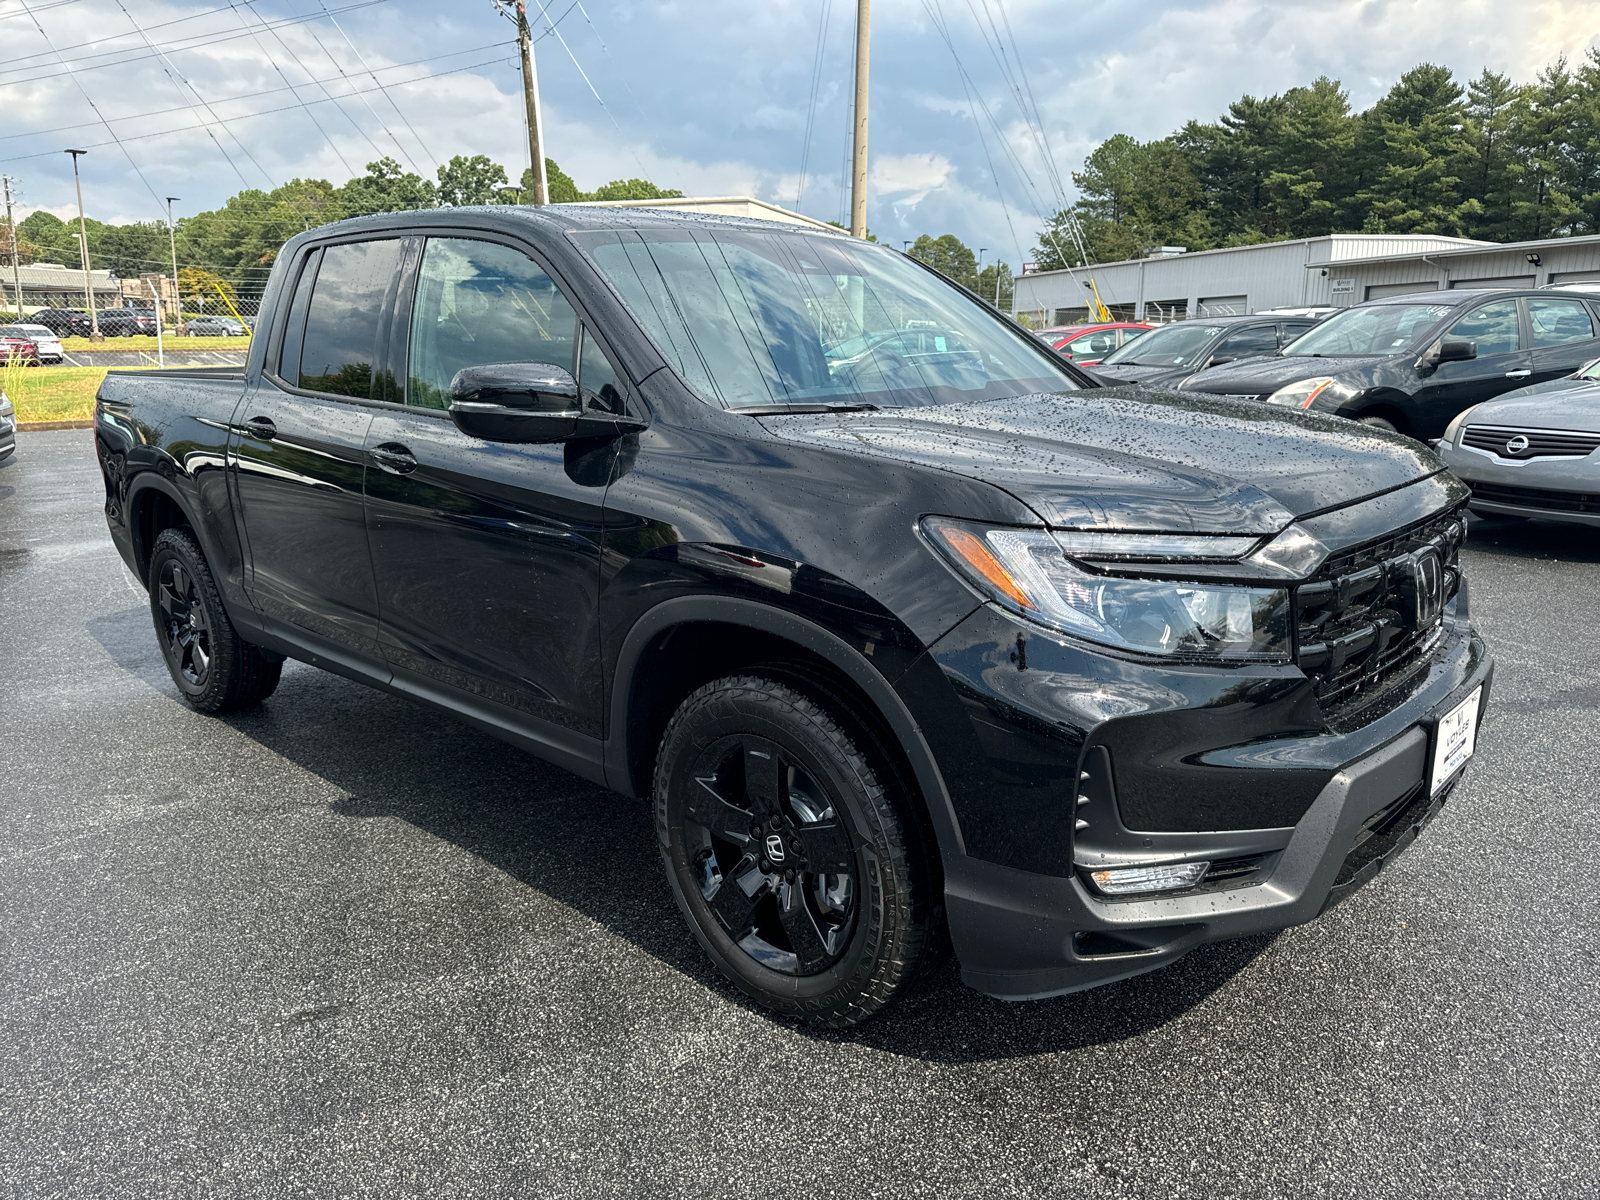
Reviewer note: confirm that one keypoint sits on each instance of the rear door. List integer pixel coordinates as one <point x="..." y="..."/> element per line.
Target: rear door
<point x="1504" y="362"/>
<point x="487" y="554"/>
<point x="297" y="449"/>
<point x="1564" y="334"/>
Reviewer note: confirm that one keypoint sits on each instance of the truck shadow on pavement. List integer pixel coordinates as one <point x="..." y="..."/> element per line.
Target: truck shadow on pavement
<point x="595" y="851"/>
<point x="1506" y="537"/>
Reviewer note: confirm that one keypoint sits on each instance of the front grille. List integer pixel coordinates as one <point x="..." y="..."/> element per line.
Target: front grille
<point x="1566" y="502"/>
<point x="1373" y="610"/>
<point x="1530" y="443"/>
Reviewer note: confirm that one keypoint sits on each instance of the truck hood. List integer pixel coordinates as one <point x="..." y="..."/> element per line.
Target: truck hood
<point x="1543" y="407"/>
<point x="1137" y="458"/>
<point x="1263" y="376"/>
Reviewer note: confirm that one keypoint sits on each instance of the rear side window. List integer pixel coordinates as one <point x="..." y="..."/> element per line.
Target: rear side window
<point x="1559" y="321"/>
<point x="1103" y="342"/>
<point x="479" y="303"/>
<point x="1494" y="327"/>
<point x="342" y="323"/>
<point x="294" y="329"/>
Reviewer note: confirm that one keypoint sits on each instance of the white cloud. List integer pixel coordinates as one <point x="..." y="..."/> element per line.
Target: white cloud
<point x="917" y="174"/>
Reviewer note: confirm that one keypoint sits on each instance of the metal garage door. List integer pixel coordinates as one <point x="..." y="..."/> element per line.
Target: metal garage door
<point x="1225" y="306"/>
<point x="1507" y="281"/>
<point x="1377" y="291"/>
<point x="1575" y="276"/>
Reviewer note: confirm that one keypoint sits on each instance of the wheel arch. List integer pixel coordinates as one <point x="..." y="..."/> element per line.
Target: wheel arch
<point x="743" y="634"/>
<point x="154" y="506"/>
<point x="1392" y="406"/>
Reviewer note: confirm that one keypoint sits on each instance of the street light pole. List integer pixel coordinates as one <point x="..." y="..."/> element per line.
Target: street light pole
<point x="530" y="97"/>
<point x="982" y="250"/>
<point x="172" y="235"/>
<point x="83" y="248"/>
<point x="858" y="184"/>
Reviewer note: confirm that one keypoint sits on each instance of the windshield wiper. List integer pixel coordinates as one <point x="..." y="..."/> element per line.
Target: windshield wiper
<point x="766" y="410"/>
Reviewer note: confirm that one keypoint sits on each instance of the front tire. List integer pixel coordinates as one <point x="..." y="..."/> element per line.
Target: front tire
<point x="785" y="853"/>
<point x="214" y="669"/>
<point x="1378" y="423"/>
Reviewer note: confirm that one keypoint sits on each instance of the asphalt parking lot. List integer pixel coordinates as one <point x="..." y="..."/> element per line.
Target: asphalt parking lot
<point x="342" y="946"/>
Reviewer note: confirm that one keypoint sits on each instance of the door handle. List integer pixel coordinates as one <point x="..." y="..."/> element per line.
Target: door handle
<point x="394" y="458"/>
<point x="1518" y="374"/>
<point x="261" y="427"/>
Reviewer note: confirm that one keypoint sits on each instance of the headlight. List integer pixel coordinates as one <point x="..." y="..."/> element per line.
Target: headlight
<point x="1454" y="427"/>
<point x="1300" y="395"/>
<point x="1027" y="572"/>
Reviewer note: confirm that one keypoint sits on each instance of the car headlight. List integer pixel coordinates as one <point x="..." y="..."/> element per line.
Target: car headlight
<point x="1027" y="571"/>
<point x="1300" y="395"/>
<point x="1452" y="429"/>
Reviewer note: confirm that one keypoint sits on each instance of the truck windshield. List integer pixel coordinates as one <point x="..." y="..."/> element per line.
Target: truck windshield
<point x="1380" y="329"/>
<point x="753" y="318"/>
<point x="1177" y="345"/>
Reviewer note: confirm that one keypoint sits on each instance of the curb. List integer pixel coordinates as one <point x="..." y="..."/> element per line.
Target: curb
<point x="41" y="426"/>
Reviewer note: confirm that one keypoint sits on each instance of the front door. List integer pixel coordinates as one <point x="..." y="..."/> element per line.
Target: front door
<point x="298" y="450"/>
<point x="1503" y="363"/>
<point x="486" y="553"/>
<point x="1564" y="336"/>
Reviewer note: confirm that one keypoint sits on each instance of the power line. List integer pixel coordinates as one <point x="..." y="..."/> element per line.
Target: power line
<point x="544" y="8"/>
<point x="811" y="106"/>
<point x="266" y="112"/>
<point x="365" y="103"/>
<point x="326" y="137"/>
<point x="374" y="79"/>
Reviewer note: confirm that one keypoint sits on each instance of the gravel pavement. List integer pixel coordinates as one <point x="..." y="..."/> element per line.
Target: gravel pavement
<point x="343" y="946"/>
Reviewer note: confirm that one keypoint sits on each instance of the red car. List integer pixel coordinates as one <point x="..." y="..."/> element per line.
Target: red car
<point x="16" y="347"/>
<point x="1088" y="344"/>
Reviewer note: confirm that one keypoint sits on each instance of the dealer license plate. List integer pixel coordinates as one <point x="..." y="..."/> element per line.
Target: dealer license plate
<point x="1458" y="731"/>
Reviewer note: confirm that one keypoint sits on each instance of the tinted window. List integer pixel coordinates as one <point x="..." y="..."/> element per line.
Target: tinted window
<point x="1558" y="321"/>
<point x="479" y="303"/>
<point x="1245" y="343"/>
<point x="341" y="338"/>
<point x="1288" y="333"/>
<point x="294" y="328"/>
<point x="1177" y="345"/>
<point x="1494" y="327"/>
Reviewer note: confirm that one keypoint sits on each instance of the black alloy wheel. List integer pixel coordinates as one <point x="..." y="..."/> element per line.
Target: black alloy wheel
<point x="214" y="669"/>
<point x="770" y="856"/>
<point x="186" y="631"/>
<point x="787" y="856"/>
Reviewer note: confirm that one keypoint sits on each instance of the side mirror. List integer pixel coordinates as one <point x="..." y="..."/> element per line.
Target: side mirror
<point x="526" y="402"/>
<point x="1454" y="350"/>
<point x="1218" y="360"/>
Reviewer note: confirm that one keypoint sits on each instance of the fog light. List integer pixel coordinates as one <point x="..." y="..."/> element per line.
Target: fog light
<point x="1166" y="877"/>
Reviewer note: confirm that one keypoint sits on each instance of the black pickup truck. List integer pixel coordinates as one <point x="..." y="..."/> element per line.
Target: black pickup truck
<point x="910" y="633"/>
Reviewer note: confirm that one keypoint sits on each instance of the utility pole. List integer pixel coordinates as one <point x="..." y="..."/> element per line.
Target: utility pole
<point x="172" y="235"/>
<point x="858" y="174"/>
<point x="982" y="250"/>
<point x="16" y="270"/>
<point x="83" y="248"/>
<point x="530" y="95"/>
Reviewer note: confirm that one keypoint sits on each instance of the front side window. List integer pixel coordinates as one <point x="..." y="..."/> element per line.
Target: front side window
<point x="1247" y="343"/>
<point x="1370" y="329"/>
<point x="1493" y="327"/>
<point x="479" y="303"/>
<point x="1556" y="322"/>
<point x="775" y="318"/>
<point x="342" y="322"/>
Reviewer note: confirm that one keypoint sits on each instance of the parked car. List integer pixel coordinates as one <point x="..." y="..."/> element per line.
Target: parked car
<point x="16" y="347"/>
<point x="46" y="346"/>
<point x="214" y="327"/>
<point x="1534" y="452"/>
<point x="8" y="429"/>
<point x="892" y="644"/>
<point x="57" y="320"/>
<point x="1088" y="344"/>
<point x="1411" y="363"/>
<point x="1169" y="355"/>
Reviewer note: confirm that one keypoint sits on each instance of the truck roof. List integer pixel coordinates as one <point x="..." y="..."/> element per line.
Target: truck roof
<point x="572" y="218"/>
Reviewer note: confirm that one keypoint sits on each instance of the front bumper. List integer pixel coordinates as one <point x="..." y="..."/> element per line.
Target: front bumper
<point x="1547" y="489"/>
<point x="1021" y="934"/>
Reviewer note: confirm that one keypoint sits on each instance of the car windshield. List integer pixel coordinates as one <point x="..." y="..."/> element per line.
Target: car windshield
<point x="752" y="318"/>
<point x="1378" y="329"/>
<point x="1177" y="345"/>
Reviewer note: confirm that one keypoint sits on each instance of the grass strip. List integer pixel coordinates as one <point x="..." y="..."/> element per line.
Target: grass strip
<point x="147" y="342"/>
<point x="55" y="393"/>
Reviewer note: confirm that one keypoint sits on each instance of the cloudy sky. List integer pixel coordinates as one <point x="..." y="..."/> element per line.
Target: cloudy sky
<point x="711" y="96"/>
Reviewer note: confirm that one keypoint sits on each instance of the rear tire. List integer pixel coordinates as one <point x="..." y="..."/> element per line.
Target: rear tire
<point x="214" y="669"/>
<point x="785" y="854"/>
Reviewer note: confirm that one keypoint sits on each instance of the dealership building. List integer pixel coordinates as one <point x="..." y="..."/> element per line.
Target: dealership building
<point x="1338" y="269"/>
